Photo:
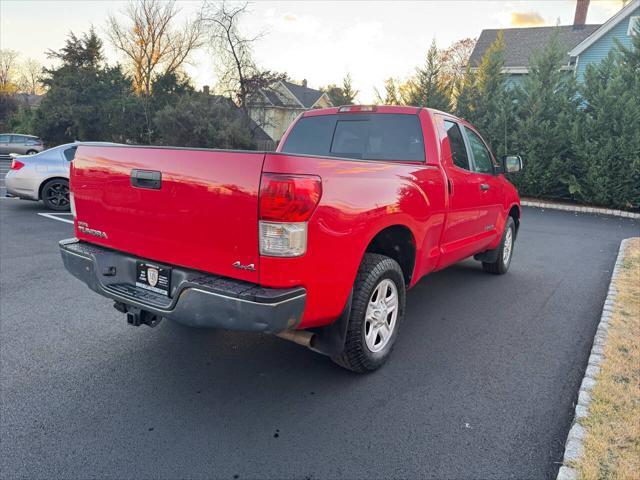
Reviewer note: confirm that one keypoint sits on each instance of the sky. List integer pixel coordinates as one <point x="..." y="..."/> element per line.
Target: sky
<point x="320" y="41"/>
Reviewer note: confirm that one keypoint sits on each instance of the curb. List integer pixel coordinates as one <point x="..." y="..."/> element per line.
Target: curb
<point x="579" y="208"/>
<point x="574" y="444"/>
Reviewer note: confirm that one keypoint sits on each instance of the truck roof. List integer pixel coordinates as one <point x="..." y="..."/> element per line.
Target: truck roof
<point x="357" y="108"/>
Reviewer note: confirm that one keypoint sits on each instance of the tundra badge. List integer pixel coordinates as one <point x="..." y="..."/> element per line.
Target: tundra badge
<point x="84" y="228"/>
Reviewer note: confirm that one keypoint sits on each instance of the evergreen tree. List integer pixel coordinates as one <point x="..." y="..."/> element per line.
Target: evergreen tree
<point x="490" y="106"/>
<point x="467" y="94"/>
<point x="482" y="98"/>
<point x="200" y="120"/>
<point x="606" y="136"/>
<point x="86" y="100"/>
<point x="428" y="88"/>
<point x="81" y="52"/>
<point x="344" y="95"/>
<point x="547" y="105"/>
<point x="391" y="93"/>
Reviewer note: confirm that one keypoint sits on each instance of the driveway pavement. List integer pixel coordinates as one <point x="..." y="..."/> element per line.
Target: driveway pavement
<point x="481" y="384"/>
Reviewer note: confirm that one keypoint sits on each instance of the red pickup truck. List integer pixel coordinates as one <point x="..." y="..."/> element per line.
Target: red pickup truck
<point x="316" y="242"/>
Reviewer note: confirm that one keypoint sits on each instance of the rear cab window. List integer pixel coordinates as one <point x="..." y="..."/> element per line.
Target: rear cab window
<point x="382" y="136"/>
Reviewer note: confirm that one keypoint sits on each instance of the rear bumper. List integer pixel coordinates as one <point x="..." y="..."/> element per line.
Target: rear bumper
<point x="197" y="299"/>
<point x="18" y="185"/>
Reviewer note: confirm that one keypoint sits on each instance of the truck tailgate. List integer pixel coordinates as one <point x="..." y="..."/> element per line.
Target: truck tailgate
<point x="203" y="214"/>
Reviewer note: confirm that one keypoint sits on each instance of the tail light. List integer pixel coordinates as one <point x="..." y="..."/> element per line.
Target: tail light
<point x="16" y="164"/>
<point x="286" y="203"/>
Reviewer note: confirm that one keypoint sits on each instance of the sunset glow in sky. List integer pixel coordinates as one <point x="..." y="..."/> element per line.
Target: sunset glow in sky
<point x="319" y="41"/>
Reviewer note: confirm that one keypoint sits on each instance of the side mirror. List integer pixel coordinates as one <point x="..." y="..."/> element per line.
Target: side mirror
<point x="511" y="163"/>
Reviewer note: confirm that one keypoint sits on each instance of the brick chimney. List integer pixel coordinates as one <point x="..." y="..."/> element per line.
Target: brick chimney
<point x="304" y="82"/>
<point x="580" y="18"/>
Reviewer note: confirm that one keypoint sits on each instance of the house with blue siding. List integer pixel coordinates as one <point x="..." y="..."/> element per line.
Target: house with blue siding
<point x="594" y="48"/>
<point x="583" y="43"/>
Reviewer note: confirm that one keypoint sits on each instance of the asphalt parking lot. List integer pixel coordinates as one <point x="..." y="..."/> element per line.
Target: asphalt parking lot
<point x="481" y="384"/>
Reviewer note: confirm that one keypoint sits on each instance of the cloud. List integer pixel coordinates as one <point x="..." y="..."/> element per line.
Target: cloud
<point x="526" y="19"/>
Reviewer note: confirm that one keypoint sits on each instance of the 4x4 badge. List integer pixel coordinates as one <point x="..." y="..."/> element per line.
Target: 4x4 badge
<point x="251" y="266"/>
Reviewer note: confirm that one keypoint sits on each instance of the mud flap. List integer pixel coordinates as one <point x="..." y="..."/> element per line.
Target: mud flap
<point x="490" y="256"/>
<point x="330" y="340"/>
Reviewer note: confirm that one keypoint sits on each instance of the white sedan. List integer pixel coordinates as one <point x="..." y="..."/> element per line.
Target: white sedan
<point x="43" y="176"/>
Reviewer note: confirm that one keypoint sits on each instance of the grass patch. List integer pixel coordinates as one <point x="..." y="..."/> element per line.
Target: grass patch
<point x="612" y="443"/>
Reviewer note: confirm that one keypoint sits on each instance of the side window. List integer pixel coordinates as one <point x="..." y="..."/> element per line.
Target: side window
<point x="4" y="138"/>
<point x="456" y="144"/>
<point x="481" y="156"/>
<point x="70" y="153"/>
<point x="19" y="139"/>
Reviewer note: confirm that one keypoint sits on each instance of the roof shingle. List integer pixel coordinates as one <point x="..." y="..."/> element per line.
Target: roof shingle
<point x="521" y="43"/>
<point x="305" y="95"/>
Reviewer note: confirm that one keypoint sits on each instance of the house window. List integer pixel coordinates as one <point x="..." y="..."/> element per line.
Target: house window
<point x="633" y="22"/>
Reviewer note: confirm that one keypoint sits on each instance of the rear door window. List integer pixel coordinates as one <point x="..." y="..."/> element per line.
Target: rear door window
<point x="19" y="139"/>
<point x="458" y="149"/>
<point x="386" y="137"/>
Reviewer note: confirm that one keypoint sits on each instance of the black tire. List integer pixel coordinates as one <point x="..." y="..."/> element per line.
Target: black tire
<point x="31" y="152"/>
<point x="500" y="266"/>
<point x="357" y="356"/>
<point x="55" y="195"/>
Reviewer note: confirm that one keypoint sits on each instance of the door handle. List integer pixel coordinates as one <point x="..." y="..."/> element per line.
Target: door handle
<point x="146" y="179"/>
<point x="484" y="186"/>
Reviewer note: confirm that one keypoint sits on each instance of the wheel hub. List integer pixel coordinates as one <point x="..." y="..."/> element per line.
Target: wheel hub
<point x="381" y="315"/>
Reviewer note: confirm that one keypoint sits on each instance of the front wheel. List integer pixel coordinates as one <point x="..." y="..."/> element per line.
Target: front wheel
<point x="505" y="251"/>
<point x="55" y="194"/>
<point x="376" y="312"/>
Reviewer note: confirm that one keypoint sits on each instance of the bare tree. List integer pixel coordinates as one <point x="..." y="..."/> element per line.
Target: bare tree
<point x="8" y="61"/>
<point x="454" y="59"/>
<point x="30" y="76"/>
<point x="148" y="39"/>
<point x="238" y="75"/>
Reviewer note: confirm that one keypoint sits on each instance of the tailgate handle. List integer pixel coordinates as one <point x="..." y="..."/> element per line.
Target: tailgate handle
<point x="146" y="179"/>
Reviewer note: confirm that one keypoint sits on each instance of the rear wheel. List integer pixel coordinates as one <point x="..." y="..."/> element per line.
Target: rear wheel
<point x="32" y="152"/>
<point x="376" y="312"/>
<point x="505" y="251"/>
<point x="55" y="194"/>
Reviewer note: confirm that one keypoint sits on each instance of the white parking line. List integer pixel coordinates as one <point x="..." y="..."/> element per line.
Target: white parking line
<point x="55" y="216"/>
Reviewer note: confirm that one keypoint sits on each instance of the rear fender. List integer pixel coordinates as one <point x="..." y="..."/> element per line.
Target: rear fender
<point x="359" y="199"/>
